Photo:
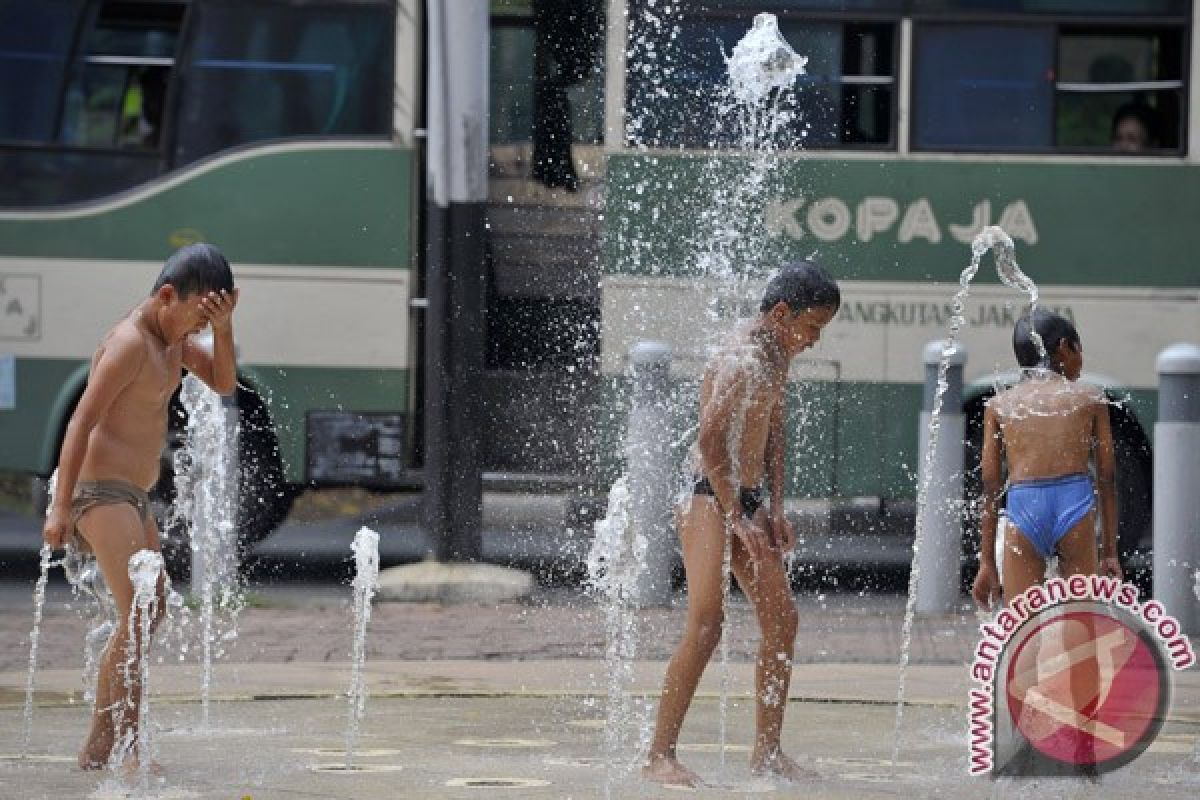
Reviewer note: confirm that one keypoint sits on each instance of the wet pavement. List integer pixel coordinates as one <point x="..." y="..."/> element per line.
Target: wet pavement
<point x="516" y="693"/>
<point x="454" y="729"/>
<point x="508" y="700"/>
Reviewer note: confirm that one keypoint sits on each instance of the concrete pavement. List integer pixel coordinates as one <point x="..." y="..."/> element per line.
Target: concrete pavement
<point x="460" y="729"/>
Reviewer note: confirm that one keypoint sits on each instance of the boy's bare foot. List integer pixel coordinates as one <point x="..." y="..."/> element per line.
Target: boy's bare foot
<point x="778" y="765"/>
<point x="97" y="749"/>
<point x="132" y="767"/>
<point x="668" y="771"/>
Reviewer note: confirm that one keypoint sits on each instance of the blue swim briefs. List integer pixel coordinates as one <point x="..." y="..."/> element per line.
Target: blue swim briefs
<point x="1047" y="508"/>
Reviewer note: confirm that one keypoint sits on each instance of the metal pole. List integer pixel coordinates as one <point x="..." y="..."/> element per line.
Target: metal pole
<point x="1176" y="476"/>
<point x="940" y="516"/>
<point x="648" y="455"/>
<point x="456" y="172"/>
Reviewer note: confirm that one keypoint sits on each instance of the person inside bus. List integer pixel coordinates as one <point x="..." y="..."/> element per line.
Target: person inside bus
<point x="110" y="458"/>
<point x="1045" y="430"/>
<point x="741" y="445"/>
<point x="144" y="102"/>
<point x="1134" y="128"/>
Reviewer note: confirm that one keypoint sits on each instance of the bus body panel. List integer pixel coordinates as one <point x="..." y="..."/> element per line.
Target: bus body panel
<point x="320" y="238"/>
<point x="913" y="218"/>
<point x="1110" y="245"/>
<point x="348" y="203"/>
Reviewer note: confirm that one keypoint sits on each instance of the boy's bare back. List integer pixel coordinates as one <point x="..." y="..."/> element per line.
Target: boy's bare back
<point x="1048" y="425"/>
<point x="129" y="436"/>
<point x="743" y="387"/>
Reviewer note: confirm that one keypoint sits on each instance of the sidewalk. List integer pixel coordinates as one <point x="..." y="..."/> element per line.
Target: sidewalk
<point x="307" y="623"/>
<point x="513" y="697"/>
<point x="536" y="729"/>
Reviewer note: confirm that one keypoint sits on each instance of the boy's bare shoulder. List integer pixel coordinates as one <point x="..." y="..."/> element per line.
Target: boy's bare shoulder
<point x="1039" y="398"/>
<point x="124" y="344"/>
<point x="733" y="360"/>
<point x="1002" y="400"/>
<point x="1091" y="392"/>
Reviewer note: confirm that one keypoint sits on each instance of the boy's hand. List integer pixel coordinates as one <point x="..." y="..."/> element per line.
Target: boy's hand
<point x="758" y="545"/>
<point x="1111" y="567"/>
<point x="986" y="590"/>
<point x="218" y="308"/>
<point x="57" y="528"/>
<point x="783" y="533"/>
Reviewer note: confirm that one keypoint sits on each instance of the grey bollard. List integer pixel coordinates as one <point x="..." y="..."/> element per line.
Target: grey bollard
<point x="648" y="455"/>
<point x="940" y="516"/>
<point x="1176" y="478"/>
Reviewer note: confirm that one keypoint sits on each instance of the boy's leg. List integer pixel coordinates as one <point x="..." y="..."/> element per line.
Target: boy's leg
<point x="702" y="534"/>
<point x="1077" y="548"/>
<point x="766" y="584"/>
<point x="114" y="532"/>
<point x="1077" y="556"/>
<point x="1023" y="565"/>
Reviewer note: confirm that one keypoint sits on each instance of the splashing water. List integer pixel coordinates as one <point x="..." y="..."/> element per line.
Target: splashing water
<point x="995" y="239"/>
<point x="206" y="475"/>
<point x="87" y="583"/>
<point x="1004" y="252"/>
<point x="614" y="562"/>
<point x="762" y="62"/>
<point x="39" y="600"/>
<point x="145" y="570"/>
<point x="727" y="256"/>
<point x="366" y="581"/>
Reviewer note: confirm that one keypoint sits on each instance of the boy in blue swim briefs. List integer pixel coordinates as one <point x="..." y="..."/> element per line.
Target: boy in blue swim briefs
<point x="1046" y="429"/>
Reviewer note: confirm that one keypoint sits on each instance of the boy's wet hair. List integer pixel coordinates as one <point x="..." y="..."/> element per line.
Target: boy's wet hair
<point x="1053" y="328"/>
<point x="196" y="268"/>
<point x="802" y="285"/>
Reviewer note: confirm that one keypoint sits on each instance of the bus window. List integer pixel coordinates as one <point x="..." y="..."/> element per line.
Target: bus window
<point x="845" y="99"/>
<point x="983" y="87"/>
<point x="116" y="97"/>
<point x="510" y="107"/>
<point x="1120" y="89"/>
<point x="559" y="46"/>
<point x="278" y="70"/>
<point x="35" y="40"/>
<point x="1051" y="83"/>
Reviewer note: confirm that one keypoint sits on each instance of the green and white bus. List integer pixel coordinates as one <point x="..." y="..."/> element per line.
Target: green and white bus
<point x="282" y="131"/>
<point x="288" y="132"/>
<point x="928" y="120"/>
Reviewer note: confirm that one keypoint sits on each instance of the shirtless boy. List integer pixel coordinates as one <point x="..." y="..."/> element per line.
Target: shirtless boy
<point x="741" y="443"/>
<point x="1046" y="428"/>
<point x="110" y="454"/>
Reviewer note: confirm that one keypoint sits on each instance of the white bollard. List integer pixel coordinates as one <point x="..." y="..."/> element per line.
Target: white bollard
<point x="1176" y="477"/>
<point x="940" y="516"/>
<point x="648" y="455"/>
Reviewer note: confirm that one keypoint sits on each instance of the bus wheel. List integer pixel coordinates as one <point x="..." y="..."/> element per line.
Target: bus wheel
<point x="264" y="497"/>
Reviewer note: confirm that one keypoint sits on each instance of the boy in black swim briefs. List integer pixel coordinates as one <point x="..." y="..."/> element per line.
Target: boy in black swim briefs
<point x="740" y="447"/>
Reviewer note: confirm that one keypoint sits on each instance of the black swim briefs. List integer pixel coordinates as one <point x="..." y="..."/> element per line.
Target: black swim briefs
<point x="750" y="499"/>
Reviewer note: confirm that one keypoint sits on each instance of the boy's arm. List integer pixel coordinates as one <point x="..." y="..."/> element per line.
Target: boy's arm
<point x="116" y="366"/>
<point x="716" y="421"/>
<point x="986" y="590"/>
<point x="1106" y="474"/>
<point x="218" y="369"/>
<point x="776" y="456"/>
